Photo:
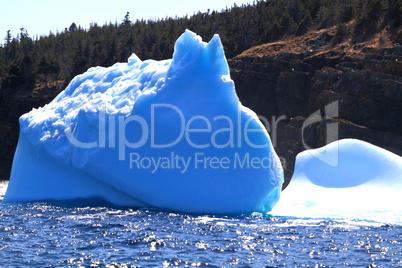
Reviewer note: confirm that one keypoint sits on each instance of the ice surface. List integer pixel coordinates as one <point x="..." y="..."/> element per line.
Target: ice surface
<point x="3" y="188"/>
<point x="169" y="134"/>
<point x="366" y="183"/>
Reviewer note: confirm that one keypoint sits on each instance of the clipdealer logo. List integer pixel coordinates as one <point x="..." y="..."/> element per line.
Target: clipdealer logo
<point x="112" y="134"/>
<point x="112" y="127"/>
<point x="199" y="160"/>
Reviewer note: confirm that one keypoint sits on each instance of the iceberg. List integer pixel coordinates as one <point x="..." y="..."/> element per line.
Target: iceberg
<point x="170" y="134"/>
<point x="348" y="178"/>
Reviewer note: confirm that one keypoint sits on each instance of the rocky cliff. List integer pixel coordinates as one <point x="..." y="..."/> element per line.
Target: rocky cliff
<point x="312" y="91"/>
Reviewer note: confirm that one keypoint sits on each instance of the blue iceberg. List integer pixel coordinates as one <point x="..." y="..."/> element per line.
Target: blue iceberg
<point x="345" y="179"/>
<point x="170" y="134"/>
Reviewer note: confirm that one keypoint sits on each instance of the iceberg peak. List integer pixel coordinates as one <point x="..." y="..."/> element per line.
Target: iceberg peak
<point x="201" y="58"/>
<point x="133" y="59"/>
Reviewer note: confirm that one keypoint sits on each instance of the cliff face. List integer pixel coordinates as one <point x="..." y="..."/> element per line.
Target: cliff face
<point x="323" y="91"/>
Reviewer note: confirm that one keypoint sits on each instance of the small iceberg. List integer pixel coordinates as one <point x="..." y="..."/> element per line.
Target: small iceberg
<point x="345" y="179"/>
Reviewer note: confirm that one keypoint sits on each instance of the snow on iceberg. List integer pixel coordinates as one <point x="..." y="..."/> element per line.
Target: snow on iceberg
<point x="366" y="183"/>
<point x="169" y="134"/>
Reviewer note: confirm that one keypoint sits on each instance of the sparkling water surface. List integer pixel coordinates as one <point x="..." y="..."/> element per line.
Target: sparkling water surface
<point x="93" y="234"/>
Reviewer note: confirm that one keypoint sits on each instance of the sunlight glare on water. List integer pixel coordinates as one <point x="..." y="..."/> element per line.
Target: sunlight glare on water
<point x="93" y="234"/>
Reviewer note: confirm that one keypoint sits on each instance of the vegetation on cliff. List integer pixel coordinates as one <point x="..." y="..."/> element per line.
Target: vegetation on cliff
<point x="61" y="56"/>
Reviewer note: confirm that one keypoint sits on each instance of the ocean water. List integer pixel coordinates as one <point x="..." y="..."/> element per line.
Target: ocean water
<point x="93" y="234"/>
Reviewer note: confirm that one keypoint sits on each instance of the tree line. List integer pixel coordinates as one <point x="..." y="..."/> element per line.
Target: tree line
<point x="61" y="56"/>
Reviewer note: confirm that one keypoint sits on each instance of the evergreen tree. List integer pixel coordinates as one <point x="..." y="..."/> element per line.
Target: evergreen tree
<point x="8" y="37"/>
<point x="304" y="25"/>
<point x="73" y="27"/>
<point x="126" y="20"/>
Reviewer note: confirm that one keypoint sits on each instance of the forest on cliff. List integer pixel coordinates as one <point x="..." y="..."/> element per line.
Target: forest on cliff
<point x="26" y="62"/>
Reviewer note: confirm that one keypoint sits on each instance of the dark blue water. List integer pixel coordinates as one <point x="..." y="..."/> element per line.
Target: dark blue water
<point x="95" y="235"/>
